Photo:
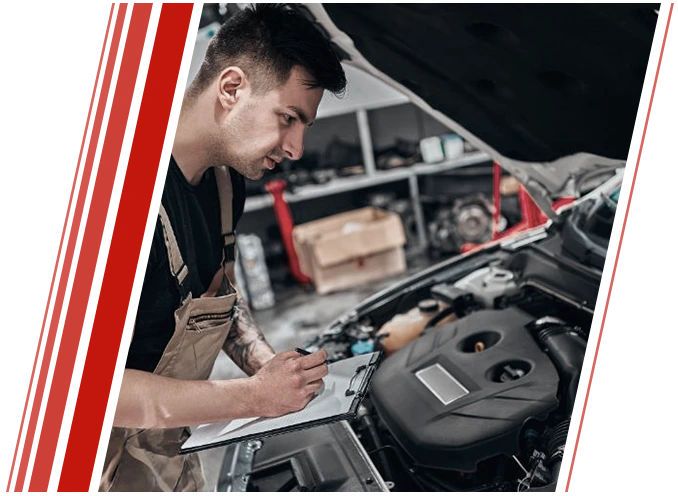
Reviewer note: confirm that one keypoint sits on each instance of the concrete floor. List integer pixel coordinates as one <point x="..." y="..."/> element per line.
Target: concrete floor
<point x="299" y="314"/>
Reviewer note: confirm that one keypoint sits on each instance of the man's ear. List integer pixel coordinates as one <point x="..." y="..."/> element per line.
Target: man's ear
<point x="231" y="83"/>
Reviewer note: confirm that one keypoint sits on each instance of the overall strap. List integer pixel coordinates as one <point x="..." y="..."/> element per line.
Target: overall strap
<point x="177" y="266"/>
<point x="223" y="176"/>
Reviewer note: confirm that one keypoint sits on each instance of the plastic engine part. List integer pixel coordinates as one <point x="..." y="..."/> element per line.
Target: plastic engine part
<point x="462" y="392"/>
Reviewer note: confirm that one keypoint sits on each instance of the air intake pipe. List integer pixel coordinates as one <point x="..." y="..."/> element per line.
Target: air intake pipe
<point x="567" y="349"/>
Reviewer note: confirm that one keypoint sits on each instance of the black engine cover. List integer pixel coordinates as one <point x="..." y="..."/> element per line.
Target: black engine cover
<point x="440" y="425"/>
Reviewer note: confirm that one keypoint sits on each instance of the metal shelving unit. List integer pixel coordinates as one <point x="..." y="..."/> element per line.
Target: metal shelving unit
<point x="364" y="93"/>
<point x="342" y="185"/>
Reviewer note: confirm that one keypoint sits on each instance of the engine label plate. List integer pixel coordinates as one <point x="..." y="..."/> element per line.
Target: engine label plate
<point x="441" y="383"/>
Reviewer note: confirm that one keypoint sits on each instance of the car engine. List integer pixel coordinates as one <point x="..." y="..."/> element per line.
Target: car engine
<point x="478" y="375"/>
<point x="479" y="372"/>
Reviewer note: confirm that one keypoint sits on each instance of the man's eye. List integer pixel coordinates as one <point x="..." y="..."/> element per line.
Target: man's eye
<point x="288" y="118"/>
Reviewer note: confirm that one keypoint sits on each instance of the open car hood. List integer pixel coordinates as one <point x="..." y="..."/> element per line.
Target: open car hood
<point x="550" y="92"/>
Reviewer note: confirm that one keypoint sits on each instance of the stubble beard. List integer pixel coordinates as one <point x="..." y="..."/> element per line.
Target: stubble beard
<point x="236" y="132"/>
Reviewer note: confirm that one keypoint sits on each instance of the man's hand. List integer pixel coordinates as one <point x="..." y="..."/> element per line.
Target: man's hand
<point x="288" y="382"/>
<point x="283" y="385"/>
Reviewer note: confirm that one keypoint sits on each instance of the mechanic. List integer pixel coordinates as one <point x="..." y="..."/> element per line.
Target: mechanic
<point x="247" y="109"/>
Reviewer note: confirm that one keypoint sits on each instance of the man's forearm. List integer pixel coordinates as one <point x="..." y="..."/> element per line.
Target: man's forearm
<point x="245" y="344"/>
<point x="152" y="401"/>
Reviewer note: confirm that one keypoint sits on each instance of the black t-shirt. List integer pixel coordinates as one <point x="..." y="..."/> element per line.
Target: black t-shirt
<point x="195" y="217"/>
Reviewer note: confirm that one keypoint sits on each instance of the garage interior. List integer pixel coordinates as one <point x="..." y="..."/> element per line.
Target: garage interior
<point x="363" y="151"/>
<point x="370" y="148"/>
<point x="376" y="163"/>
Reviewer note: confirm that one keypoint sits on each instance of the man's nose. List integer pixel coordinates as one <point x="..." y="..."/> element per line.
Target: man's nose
<point x="293" y="145"/>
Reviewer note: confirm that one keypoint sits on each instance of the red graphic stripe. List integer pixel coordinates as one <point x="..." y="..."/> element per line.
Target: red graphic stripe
<point x="93" y="118"/>
<point x="52" y="382"/>
<point x="139" y="183"/>
<point x="99" y="90"/>
<point x="142" y="169"/>
<point x="616" y="260"/>
<point x="104" y="46"/>
<point x="118" y="122"/>
<point x="75" y="351"/>
<point x="113" y="53"/>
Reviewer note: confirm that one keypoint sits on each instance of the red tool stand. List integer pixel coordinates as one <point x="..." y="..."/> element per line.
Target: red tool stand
<point x="282" y="212"/>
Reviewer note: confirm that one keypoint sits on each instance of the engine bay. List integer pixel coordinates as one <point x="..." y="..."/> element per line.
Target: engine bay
<point x="480" y="379"/>
<point x="480" y="365"/>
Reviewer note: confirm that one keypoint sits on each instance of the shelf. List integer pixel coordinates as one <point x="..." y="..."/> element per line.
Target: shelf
<point x="344" y="184"/>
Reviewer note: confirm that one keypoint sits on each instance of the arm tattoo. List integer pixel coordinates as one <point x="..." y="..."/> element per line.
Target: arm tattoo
<point x="245" y="344"/>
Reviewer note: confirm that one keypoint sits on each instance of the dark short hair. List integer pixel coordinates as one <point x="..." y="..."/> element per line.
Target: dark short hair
<point x="266" y="41"/>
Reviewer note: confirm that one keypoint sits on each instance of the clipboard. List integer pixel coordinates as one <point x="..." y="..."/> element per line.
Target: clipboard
<point x="345" y="387"/>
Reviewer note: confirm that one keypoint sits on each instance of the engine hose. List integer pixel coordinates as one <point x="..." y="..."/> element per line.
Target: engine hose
<point x="446" y="312"/>
<point x="566" y="348"/>
<point x="558" y="442"/>
<point x="366" y="420"/>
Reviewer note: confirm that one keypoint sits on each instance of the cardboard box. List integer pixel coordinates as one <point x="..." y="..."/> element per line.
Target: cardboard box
<point x="350" y="249"/>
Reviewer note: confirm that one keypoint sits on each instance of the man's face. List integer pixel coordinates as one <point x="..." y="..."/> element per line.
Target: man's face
<point x="263" y="129"/>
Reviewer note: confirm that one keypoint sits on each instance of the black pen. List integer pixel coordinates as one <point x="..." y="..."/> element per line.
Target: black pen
<point x="304" y="352"/>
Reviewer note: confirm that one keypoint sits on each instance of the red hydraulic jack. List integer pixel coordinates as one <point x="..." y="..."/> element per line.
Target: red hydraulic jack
<point x="286" y="224"/>
<point x="531" y="214"/>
